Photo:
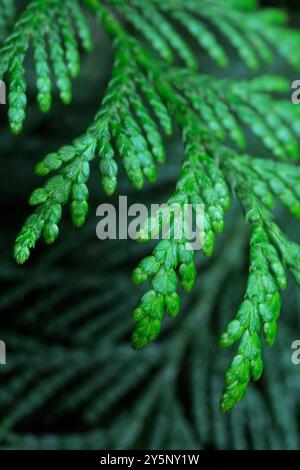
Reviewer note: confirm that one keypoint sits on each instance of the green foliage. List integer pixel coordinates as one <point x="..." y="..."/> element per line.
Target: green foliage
<point x="146" y="94"/>
<point x="270" y="254"/>
<point x="44" y="23"/>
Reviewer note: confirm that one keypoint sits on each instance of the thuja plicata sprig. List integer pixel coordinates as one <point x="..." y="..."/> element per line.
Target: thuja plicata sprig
<point x="271" y="253"/>
<point x="146" y="98"/>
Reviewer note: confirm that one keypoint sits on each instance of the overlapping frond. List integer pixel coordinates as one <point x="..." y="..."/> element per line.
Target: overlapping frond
<point x="254" y="35"/>
<point x="134" y="109"/>
<point x="256" y="183"/>
<point x="52" y="27"/>
<point x="49" y="27"/>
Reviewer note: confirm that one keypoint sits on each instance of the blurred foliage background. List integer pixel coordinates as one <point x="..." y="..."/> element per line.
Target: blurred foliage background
<point x="71" y="378"/>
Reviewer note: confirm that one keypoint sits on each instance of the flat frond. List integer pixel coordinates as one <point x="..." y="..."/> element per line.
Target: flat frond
<point x="47" y="26"/>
